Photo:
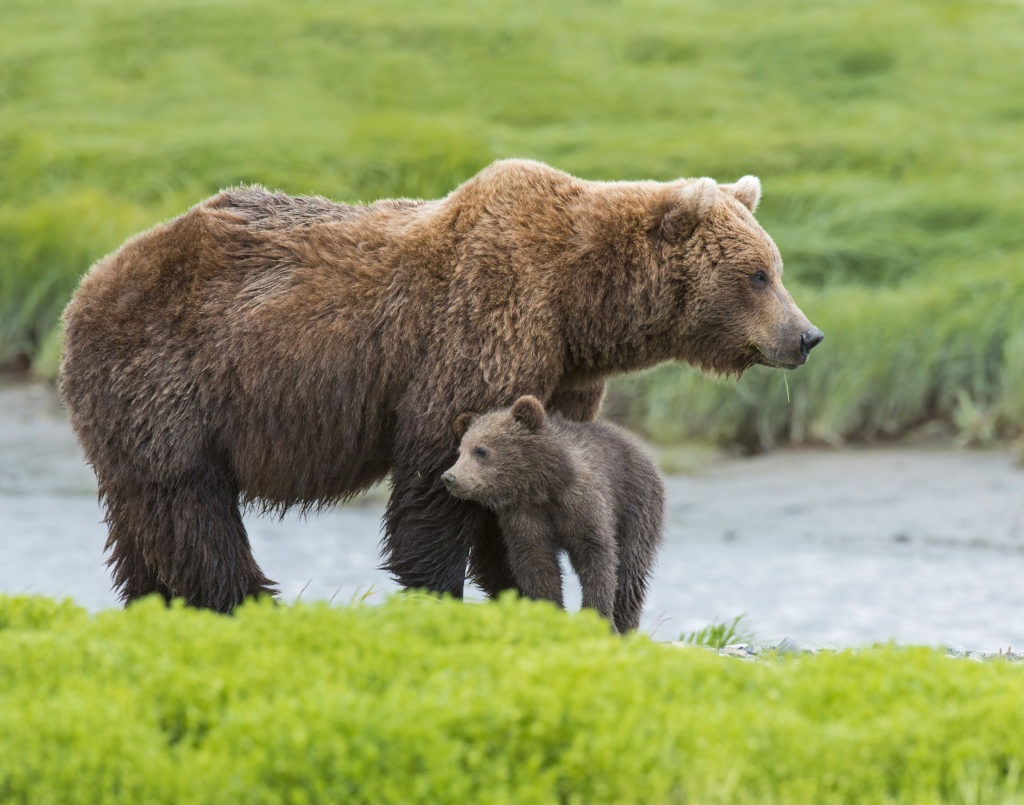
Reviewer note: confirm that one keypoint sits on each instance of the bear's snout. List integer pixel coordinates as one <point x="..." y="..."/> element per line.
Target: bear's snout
<point x="791" y="349"/>
<point x="459" y="488"/>
<point x="809" y="340"/>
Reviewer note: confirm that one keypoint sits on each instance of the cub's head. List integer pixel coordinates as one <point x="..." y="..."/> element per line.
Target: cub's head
<point x="723" y="277"/>
<point x="498" y="454"/>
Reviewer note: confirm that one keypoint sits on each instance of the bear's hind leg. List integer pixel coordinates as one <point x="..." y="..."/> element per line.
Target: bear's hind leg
<point x="632" y="588"/>
<point x="638" y="545"/>
<point x="212" y="562"/>
<point x="593" y="557"/>
<point x="131" y="559"/>
<point x="428" y="531"/>
<point x="184" y="540"/>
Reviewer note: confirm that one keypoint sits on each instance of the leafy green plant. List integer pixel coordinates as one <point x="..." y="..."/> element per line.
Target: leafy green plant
<point x="426" y="699"/>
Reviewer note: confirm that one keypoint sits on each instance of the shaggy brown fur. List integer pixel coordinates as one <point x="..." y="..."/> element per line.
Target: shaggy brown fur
<point x="558" y="485"/>
<point x="291" y="351"/>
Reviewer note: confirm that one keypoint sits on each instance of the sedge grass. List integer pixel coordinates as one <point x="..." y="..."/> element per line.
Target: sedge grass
<point x="947" y="350"/>
<point x="887" y="137"/>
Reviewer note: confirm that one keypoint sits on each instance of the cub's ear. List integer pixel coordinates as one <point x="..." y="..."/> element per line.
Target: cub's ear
<point x="747" y="191"/>
<point x="529" y="411"/>
<point x="685" y="207"/>
<point x="462" y="423"/>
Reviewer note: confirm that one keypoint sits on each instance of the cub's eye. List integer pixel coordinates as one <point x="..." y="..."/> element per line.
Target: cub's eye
<point x="759" y="279"/>
<point x="480" y="452"/>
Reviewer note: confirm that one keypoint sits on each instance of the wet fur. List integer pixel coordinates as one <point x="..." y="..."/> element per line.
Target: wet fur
<point x="289" y="352"/>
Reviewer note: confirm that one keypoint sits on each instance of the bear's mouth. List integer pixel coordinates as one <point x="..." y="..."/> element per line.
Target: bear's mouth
<point x="776" y="361"/>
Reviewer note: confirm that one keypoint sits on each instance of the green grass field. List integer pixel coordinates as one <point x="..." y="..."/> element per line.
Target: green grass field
<point x="887" y="137"/>
<point x="424" y="700"/>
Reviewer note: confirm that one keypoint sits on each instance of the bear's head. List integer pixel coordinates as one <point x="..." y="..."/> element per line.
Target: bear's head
<point x="723" y="276"/>
<point x="506" y="456"/>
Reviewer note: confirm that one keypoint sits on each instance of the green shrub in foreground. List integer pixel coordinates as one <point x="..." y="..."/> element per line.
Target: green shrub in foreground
<point x="423" y="700"/>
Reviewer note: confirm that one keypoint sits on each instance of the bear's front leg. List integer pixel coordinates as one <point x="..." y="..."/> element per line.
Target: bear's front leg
<point x="594" y="556"/>
<point x="427" y="530"/>
<point x="579" y="402"/>
<point x="489" y="567"/>
<point x="533" y="555"/>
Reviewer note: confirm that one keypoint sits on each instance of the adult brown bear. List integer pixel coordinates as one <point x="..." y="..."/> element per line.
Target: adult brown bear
<point x="287" y="351"/>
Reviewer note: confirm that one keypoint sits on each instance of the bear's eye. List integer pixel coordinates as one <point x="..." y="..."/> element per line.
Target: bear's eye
<point x="480" y="452"/>
<point x="759" y="279"/>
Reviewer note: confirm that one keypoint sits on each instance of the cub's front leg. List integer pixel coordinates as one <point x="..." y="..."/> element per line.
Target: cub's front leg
<point x="533" y="555"/>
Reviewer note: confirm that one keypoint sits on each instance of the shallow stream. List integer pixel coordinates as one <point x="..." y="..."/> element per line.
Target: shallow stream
<point x="827" y="548"/>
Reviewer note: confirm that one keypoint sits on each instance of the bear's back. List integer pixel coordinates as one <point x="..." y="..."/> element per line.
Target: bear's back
<point x="264" y="210"/>
<point x="610" y="459"/>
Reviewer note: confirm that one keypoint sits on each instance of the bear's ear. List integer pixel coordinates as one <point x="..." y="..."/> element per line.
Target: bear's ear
<point x="747" y="191"/>
<point x="462" y="423"/>
<point x="686" y="206"/>
<point x="529" y="411"/>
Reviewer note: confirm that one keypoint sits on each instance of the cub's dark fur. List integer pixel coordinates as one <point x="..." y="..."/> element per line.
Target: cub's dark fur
<point x="556" y="484"/>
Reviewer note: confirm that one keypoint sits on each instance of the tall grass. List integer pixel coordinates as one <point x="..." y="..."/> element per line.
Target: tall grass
<point x="948" y="349"/>
<point x="887" y="136"/>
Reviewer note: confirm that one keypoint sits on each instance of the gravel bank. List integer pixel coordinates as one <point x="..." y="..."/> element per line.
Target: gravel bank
<point x="786" y="647"/>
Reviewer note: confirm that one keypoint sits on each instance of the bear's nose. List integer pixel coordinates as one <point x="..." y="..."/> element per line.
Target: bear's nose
<point x="810" y="339"/>
<point x="448" y="478"/>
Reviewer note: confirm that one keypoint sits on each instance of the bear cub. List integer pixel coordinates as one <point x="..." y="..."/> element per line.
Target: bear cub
<point x="556" y="484"/>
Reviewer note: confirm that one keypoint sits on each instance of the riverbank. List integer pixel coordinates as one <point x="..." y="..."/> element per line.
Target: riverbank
<point x="756" y="651"/>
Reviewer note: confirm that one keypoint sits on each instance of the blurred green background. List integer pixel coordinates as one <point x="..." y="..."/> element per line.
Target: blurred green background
<point x="889" y="138"/>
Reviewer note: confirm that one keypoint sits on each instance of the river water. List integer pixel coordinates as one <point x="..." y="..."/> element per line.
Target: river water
<point x="826" y="548"/>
